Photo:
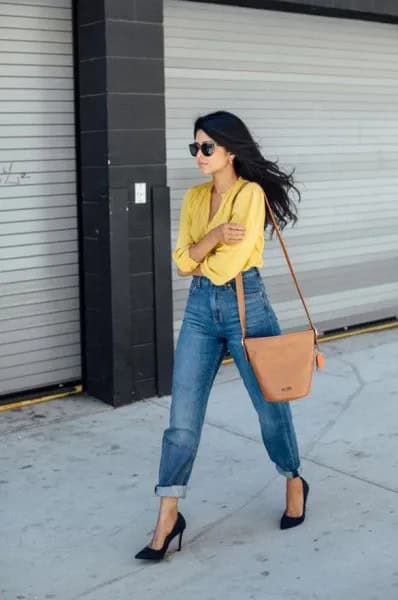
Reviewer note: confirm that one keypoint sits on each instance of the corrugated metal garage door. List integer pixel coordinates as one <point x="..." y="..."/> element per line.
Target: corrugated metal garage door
<point x="39" y="292"/>
<point x="319" y="94"/>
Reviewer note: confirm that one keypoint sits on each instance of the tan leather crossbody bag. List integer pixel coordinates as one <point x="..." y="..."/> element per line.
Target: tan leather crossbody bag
<point x="283" y="364"/>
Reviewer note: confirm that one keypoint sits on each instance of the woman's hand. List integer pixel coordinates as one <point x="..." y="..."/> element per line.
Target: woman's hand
<point x="229" y="233"/>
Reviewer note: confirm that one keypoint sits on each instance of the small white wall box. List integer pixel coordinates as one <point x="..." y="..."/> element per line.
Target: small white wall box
<point x="140" y="193"/>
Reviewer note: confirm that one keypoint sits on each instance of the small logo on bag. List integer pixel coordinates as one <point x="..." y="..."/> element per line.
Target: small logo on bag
<point x="288" y="388"/>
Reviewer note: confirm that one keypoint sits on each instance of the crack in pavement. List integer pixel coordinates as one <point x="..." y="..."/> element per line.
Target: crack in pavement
<point x="324" y="430"/>
<point x="223" y="428"/>
<point x="351" y="475"/>
<point x="253" y="497"/>
<point x="350" y="399"/>
<point x="108" y="582"/>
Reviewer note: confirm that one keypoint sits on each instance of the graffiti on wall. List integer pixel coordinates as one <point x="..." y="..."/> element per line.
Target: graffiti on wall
<point x="9" y="175"/>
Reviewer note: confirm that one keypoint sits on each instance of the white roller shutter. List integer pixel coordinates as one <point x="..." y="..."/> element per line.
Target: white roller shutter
<point x="320" y="94"/>
<point x="39" y="291"/>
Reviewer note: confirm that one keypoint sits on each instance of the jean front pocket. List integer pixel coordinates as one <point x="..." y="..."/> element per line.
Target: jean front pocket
<point x="193" y="287"/>
<point x="250" y="288"/>
<point x="261" y="319"/>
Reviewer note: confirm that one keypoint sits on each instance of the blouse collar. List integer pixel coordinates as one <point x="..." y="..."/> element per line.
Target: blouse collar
<point x="232" y="188"/>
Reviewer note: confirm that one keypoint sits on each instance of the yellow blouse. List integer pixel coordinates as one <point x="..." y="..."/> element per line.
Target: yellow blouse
<point x="226" y="260"/>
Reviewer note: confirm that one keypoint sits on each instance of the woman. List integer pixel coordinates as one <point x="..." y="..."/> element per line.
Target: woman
<point x="221" y="233"/>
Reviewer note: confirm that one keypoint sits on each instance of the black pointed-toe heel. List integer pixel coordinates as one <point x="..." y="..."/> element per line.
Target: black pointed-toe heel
<point x="286" y="521"/>
<point x="152" y="554"/>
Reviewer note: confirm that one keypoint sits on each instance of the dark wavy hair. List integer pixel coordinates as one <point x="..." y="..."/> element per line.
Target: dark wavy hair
<point x="230" y="131"/>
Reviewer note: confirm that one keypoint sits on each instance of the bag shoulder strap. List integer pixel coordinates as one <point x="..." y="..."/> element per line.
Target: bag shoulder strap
<point x="239" y="279"/>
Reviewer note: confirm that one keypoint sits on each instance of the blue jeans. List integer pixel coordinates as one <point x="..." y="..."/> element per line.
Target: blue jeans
<point x="210" y="326"/>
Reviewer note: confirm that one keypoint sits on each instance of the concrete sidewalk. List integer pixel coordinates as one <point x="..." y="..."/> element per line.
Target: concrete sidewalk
<point x="77" y="501"/>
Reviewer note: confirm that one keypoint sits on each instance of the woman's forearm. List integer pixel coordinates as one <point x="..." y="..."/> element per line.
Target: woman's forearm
<point x="200" y="250"/>
<point x="227" y="233"/>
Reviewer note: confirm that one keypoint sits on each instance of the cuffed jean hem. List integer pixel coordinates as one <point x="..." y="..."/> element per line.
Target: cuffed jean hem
<point x="178" y="491"/>
<point x="288" y="474"/>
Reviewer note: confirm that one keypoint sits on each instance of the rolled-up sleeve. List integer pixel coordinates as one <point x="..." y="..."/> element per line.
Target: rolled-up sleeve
<point x="229" y="259"/>
<point x="180" y="254"/>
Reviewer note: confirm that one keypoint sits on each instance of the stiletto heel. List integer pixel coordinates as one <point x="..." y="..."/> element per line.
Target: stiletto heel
<point x="286" y="521"/>
<point x="152" y="554"/>
<point x="179" y="543"/>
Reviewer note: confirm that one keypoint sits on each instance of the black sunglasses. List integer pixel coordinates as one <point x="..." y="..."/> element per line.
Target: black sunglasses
<point x="207" y="148"/>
